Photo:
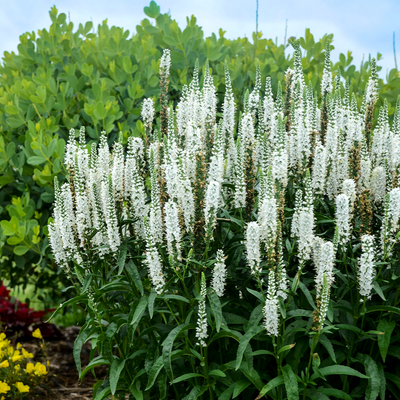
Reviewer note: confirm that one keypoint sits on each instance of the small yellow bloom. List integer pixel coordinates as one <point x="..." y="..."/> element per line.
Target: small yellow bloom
<point x="40" y="369"/>
<point x="16" y="356"/>
<point x="30" y="368"/>
<point x="19" y="345"/>
<point x="4" y="388"/>
<point x="17" y="368"/>
<point x="26" y="354"/>
<point x="4" y="364"/>
<point x="22" y="388"/>
<point x="37" y="334"/>
<point x="2" y="336"/>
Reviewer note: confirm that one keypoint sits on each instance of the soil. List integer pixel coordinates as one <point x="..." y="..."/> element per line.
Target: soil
<point x="62" y="380"/>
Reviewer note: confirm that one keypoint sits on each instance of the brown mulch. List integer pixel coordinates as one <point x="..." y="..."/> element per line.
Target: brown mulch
<point x="62" y="380"/>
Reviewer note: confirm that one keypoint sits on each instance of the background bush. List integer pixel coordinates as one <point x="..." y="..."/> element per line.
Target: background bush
<point x="61" y="79"/>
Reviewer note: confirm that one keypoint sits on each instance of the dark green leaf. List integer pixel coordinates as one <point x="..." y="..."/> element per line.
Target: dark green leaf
<point x="384" y="340"/>
<point x="244" y="341"/>
<point x="291" y="385"/>
<point x="115" y="371"/>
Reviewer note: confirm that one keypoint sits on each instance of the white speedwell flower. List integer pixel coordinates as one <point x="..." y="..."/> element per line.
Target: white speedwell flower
<point x="219" y="274"/>
<point x="201" y="329"/>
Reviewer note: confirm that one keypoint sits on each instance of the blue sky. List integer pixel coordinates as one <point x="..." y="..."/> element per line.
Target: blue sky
<point x="364" y="27"/>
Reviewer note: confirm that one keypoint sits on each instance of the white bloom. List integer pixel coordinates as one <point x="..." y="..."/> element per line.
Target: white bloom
<point x="282" y="281"/>
<point x="325" y="297"/>
<point x="343" y="218"/>
<point x="253" y="247"/>
<point x="108" y="205"/>
<point x="172" y="230"/>
<point x="240" y="183"/>
<point x="165" y="62"/>
<point x="394" y="208"/>
<point x="378" y="184"/>
<point x="366" y="270"/>
<point x="349" y="189"/>
<point x="148" y="113"/>
<point x="271" y="311"/>
<point x="117" y="172"/>
<point x="153" y="261"/>
<point x="201" y="329"/>
<point x="219" y="274"/>
<point x="211" y="206"/>
<point x="324" y="258"/>
<point x="319" y="169"/>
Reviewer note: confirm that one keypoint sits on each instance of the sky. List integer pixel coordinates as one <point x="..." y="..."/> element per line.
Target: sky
<point x="364" y="27"/>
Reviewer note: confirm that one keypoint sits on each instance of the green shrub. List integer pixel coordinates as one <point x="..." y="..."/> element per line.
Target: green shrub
<point x="224" y="262"/>
<point x="61" y="79"/>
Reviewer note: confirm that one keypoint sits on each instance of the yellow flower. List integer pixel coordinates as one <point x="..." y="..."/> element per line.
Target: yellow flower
<point x="26" y="354"/>
<point x="37" y="334"/>
<point x="22" y="388"/>
<point x="16" y="356"/>
<point x="17" y="368"/>
<point x="4" y="364"/>
<point x="2" y="336"/>
<point x="40" y="369"/>
<point x="30" y="368"/>
<point x="4" y="388"/>
<point x="19" y="345"/>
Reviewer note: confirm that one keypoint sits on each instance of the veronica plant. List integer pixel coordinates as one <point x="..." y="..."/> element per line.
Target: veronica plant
<point x="238" y="259"/>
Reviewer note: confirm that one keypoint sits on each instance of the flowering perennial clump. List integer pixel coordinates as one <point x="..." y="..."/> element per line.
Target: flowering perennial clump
<point x="220" y="225"/>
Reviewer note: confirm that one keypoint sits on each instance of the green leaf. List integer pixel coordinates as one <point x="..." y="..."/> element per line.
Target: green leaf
<point x="122" y="258"/>
<point x="78" y="343"/>
<point x="14" y="123"/>
<point x="291" y="385"/>
<point x="382" y="389"/>
<point x="239" y="387"/>
<point x="152" y="297"/>
<point x="153" y="11"/>
<point x="215" y="308"/>
<point x="256" y="294"/>
<point x="272" y="384"/>
<point x="384" y="340"/>
<point x="371" y="369"/>
<point x="36" y="160"/>
<point x="20" y="250"/>
<point x="168" y="343"/>
<point x="96" y="362"/>
<point x="328" y="346"/>
<point x="141" y="307"/>
<point x="379" y="290"/>
<point x="69" y="302"/>
<point x="287" y="347"/>
<point x="339" y="370"/>
<point x="134" y="275"/>
<point x="244" y="341"/>
<point x="195" y="393"/>
<point x="175" y="297"/>
<point x="10" y="109"/>
<point x="186" y="377"/>
<point x="330" y="392"/>
<point x="395" y="310"/>
<point x="115" y="371"/>
<point x="154" y="371"/>
<point x="307" y="293"/>
<point x="217" y="373"/>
